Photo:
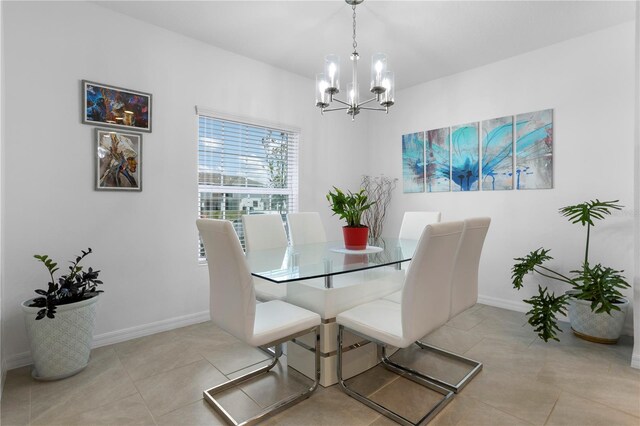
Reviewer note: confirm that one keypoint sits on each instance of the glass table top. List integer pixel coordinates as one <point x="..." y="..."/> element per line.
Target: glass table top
<point x="293" y="263"/>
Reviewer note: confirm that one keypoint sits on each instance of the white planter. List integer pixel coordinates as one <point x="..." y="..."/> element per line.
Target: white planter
<point x="60" y="347"/>
<point x="599" y="328"/>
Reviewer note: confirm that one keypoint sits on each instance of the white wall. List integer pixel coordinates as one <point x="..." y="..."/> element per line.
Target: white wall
<point x="588" y="82"/>
<point x="3" y="367"/>
<point x="635" y="362"/>
<point x="144" y="243"/>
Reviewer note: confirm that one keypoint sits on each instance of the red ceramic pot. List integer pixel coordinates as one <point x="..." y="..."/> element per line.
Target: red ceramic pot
<point x="355" y="237"/>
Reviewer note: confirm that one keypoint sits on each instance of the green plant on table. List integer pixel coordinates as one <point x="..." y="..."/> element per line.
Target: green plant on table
<point x="72" y="287"/>
<point x="598" y="284"/>
<point x="349" y="205"/>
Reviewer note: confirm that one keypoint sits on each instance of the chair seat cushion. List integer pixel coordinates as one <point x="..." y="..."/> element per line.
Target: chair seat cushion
<point x="394" y="297"/>
<point x="266" y="290"/>
<point x="276" y="320"/>
<point x="380" y="319"/>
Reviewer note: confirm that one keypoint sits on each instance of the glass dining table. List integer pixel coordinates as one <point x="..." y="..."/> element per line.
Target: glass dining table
<point x="326" y="260"/>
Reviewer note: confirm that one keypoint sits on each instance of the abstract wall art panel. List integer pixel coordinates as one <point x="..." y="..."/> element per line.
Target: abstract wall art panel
<point x="413" y="162"/>
<point x="437" y="170"/>
<point x="497" y="154"/>
<point x="534" y="150"/>
<point x="465" y="167"/>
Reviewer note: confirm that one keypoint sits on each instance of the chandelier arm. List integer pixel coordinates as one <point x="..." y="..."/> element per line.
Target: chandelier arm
<point x="334" y="109"/>
<point x="368" y="100"/>
<point x="341" y="102"/>
<point x="373" y="109"/>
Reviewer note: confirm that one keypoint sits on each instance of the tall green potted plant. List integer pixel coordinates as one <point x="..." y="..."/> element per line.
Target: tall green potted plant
<point x="60" y="321"/>
<point x="597" y="309"/>
<point x="350" y="207"/>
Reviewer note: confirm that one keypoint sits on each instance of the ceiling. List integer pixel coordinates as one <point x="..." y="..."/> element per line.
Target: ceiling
<point x="423" y="40"/>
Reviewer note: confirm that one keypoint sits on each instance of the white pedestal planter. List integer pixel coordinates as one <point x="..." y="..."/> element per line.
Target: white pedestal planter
<point x="60" y="347"/>
<point x="599" y="328"/>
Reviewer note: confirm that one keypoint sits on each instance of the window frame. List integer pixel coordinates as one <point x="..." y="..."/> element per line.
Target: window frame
<point x="292" y="165"/>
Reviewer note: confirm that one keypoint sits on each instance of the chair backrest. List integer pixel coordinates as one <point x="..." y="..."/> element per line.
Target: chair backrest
<point x="306" y="228"/>
<point x="263" y="231"/>
<point x="413" y="223"/>
<point x="426" y="295"/>
<point x="464" y="284"/>
<point x="231" y="293"/>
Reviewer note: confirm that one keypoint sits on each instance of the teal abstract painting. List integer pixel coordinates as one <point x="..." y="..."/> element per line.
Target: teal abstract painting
<point x="534" y="150"/>
<point x="465" y="167"/>
<point x="497" y="154"/>
<point x="413" y="162"/>
<point x="437" y="170"/>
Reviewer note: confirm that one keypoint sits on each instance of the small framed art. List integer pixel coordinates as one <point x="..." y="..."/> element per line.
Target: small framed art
<point x="118" y="160"/>
<point x="115" y="107"/>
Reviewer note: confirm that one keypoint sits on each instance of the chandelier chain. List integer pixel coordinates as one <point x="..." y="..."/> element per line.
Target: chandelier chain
<point x="355" y="43"/>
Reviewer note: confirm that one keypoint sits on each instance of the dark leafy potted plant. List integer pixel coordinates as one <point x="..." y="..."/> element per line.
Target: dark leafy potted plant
<point x="350" y="206"/>
<point x="60" y="321"/>
<point x="597" y="309"/>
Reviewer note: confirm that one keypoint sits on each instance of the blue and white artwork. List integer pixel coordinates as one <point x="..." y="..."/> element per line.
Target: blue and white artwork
<point x="497" y="154"/>
<point x="437" y="170"/>
<point x="534" y="150"/>
<point x="465" y="167"/>
<point x="413" y="162"/>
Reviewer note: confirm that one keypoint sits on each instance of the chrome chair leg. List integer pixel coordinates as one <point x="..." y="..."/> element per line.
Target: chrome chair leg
<point x="476" y="367"/>
<point x="447" y="394"/>
<point x="275" y="407"/>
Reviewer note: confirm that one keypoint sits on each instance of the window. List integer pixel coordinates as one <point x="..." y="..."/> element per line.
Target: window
<point x="245" y="168"/>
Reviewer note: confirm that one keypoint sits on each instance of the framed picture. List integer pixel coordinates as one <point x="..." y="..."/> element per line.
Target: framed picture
<point x="118" y="160"/>
<point x="115" y="107"/>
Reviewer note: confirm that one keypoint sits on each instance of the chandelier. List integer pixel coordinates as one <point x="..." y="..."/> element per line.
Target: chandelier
<point x="328" y="83"/>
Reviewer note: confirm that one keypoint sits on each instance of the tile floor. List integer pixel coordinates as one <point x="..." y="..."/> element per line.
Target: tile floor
<point x="158" y="380"/>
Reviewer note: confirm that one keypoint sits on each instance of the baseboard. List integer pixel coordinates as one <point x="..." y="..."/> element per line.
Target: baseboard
<point x="104" y="339"/>
<point x="118" y="336"/>
<point x="635" y="361"/>
<point x="520" y="306"/>
<point x="3" y="369"/>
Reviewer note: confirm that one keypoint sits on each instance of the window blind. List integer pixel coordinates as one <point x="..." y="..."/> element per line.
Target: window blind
<point x="245" y="168"/>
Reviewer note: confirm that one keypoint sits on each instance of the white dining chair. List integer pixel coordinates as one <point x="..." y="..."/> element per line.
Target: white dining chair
<point x="233" y="308"/>
<point x="414" y="222"/>
<point x="424" y="306"/>
<point x="261" y="232"/>
<point x="464" y="289"/>
<point x="305" y="228"/>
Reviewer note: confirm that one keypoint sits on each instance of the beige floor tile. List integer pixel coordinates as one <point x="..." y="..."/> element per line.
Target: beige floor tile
<point x="519" y="395"/>
<point x="276" y="385"/>
<point x="508" y="331"/>
<point x="468" y="411"/>
<point x="505" y="356"/>
<point x="16" y="397"/>
<point x="572" y="410"/>
<point x="103" y="381"/>
<point x="195" y="414"/>
<point x="614" y="389"/>
<point x="406" y="398"/>
<point x="154" y="356"/>
<point x="168" y="391"/>
<point x="130" y="410"/>
<point x="326" y="407"/>
<point x="371" y="380"/>
<point x="468" y="319"/>
<point x="383" y="421"/>
<point x="521" y="381"/>
<point x="452" y="339"/>
<point x="231" y="357"/>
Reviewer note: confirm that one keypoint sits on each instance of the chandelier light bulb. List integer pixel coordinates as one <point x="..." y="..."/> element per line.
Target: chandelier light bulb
<point x="322" y="97"/>
<point x="332" y="73"/>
